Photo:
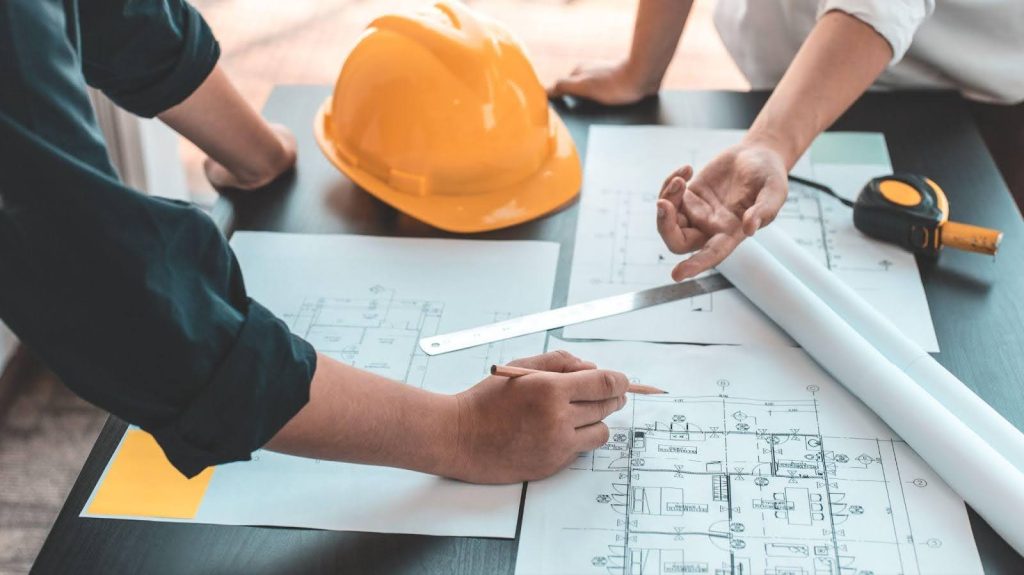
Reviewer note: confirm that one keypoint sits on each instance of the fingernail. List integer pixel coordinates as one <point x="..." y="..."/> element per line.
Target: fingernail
<point x="661" y="213"/>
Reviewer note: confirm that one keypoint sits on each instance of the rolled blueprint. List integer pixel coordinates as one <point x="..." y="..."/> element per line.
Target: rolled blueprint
<point x="972" y="467"/>
<point x="1002" y="435"/>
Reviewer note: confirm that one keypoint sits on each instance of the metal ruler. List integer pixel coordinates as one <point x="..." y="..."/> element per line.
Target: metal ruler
<point x="576" y="313"/>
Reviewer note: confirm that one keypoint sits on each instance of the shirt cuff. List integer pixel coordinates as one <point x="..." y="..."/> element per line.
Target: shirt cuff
<point x="262" y="383"/>
<point x="200" y="52"/>
<point x="894" y="20"/>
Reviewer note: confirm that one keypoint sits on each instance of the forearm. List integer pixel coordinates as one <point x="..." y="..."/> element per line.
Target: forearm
<point x="218" y="120"/>
<point x="359" y="417"/>
<point x="840" y="59"/>
<point x="659" y="24"/>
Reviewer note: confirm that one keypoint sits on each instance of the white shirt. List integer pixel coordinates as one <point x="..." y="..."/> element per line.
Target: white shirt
<point x="974" y="46"/>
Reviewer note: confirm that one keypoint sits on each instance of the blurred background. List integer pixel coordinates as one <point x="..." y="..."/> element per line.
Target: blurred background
<point x="269" y="42"/>
<point x="45" y="431"/>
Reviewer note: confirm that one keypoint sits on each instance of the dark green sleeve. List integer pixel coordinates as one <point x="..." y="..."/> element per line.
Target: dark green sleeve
<point x="137" y="303"/>
<point x="145" y="55"/>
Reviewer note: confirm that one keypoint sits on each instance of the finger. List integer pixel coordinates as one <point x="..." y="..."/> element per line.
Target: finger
<point x="595" y="384"/>
<point x="696" y="209"/>
<point x="559" y="361"/>
<point x="673" y="191"/>
<point x="218" y="176"/>
<point x="714" y="251"/>
<point x="590" y="437"/>
<point x="685" y="173"/>
<point x="672" y="212"/>
<point x="587" y="412"/>
<point x="572" y="86"/>
<point x="283" y="132"/>
<point x="678" y="239"/>
<point x="769" y="201"/>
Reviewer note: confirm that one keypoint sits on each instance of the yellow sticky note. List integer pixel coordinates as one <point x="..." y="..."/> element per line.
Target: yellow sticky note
<point x="141" y="482"/>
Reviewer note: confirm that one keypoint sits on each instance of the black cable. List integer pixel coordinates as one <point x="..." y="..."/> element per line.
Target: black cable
<point x="821" y="188"/>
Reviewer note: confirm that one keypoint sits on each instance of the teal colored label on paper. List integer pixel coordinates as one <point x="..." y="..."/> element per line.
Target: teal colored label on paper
<point x="848" y="148"/>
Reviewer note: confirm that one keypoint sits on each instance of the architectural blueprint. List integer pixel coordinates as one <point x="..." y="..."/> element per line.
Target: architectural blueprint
<point x="756" y="462"/>
<point x="618" y="248"/>
<point x="365" y="301"/>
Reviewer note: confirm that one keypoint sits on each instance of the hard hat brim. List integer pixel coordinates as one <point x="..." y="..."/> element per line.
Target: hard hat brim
<point x="554" y="185"/>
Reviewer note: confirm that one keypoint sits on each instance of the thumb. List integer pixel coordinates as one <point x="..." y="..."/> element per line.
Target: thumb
<point x="764" y="210"/>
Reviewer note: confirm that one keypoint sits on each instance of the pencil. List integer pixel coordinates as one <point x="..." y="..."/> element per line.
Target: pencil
<point x="512" y="371"/>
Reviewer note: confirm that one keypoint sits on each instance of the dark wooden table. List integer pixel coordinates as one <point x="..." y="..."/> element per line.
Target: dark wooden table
<point x="976" y="305"/>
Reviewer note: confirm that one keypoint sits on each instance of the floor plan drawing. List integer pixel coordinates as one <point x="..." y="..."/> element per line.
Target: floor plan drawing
<point x="380" y="332"/>
<point x="766" y="467"/>
<point x="618" y="248"/>
<point x="365" y="301"/>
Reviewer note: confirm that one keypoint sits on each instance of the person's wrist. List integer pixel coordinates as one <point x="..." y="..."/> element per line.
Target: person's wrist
<point x="449" y="459"/>
<point x="277" y="156"/>
<point x="775" y="142"/>
<point x="639" y="77"/>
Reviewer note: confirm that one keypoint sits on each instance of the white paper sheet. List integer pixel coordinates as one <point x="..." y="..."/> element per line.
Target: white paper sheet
<point x="983" y="476"/>
<point x="756" y="462"/>
<point x="367" y="301"/>
<point x="898" y="349"/>
<point x="618" y="248"/>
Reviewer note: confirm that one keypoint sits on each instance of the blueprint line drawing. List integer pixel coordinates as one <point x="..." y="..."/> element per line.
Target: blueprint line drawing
<point x="618" y="249"/>
<point x="723" y="476"/>
<point x="380" y="332"/>
<point x="367" y="301"/>
<point x="638" y="256"/>
<point x="778" y="500"/>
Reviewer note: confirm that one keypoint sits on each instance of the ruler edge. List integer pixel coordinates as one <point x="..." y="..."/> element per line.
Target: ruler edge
<point x="721" y="283"/>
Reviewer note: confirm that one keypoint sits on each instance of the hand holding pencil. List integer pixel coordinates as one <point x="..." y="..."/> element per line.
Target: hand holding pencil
<point x="533" y="417"/>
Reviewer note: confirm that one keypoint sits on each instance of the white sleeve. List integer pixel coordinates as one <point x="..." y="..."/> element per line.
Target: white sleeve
<point x="895" y="20"/>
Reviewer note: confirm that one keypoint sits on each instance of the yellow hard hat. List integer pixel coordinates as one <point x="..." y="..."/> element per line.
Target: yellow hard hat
<point x="440" y="114"/>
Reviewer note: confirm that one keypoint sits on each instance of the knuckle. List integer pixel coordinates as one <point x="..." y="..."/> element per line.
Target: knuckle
<point x="608" y="382"/>
<point x="526" y="361"/>
<point x="617" y="382"/>
<point x="563" y="355"/>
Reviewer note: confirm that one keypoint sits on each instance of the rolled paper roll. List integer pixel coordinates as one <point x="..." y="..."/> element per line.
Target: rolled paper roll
<point x="1002" y="435"/>
<point x="973" y="468"/>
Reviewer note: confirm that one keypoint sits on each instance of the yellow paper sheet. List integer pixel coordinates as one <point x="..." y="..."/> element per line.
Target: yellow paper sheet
<point x="142" y="482"/>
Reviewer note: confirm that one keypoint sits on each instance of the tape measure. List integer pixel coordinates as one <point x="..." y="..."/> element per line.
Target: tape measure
<point x="904" y="209"/>
<point x="913" y="212"/>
